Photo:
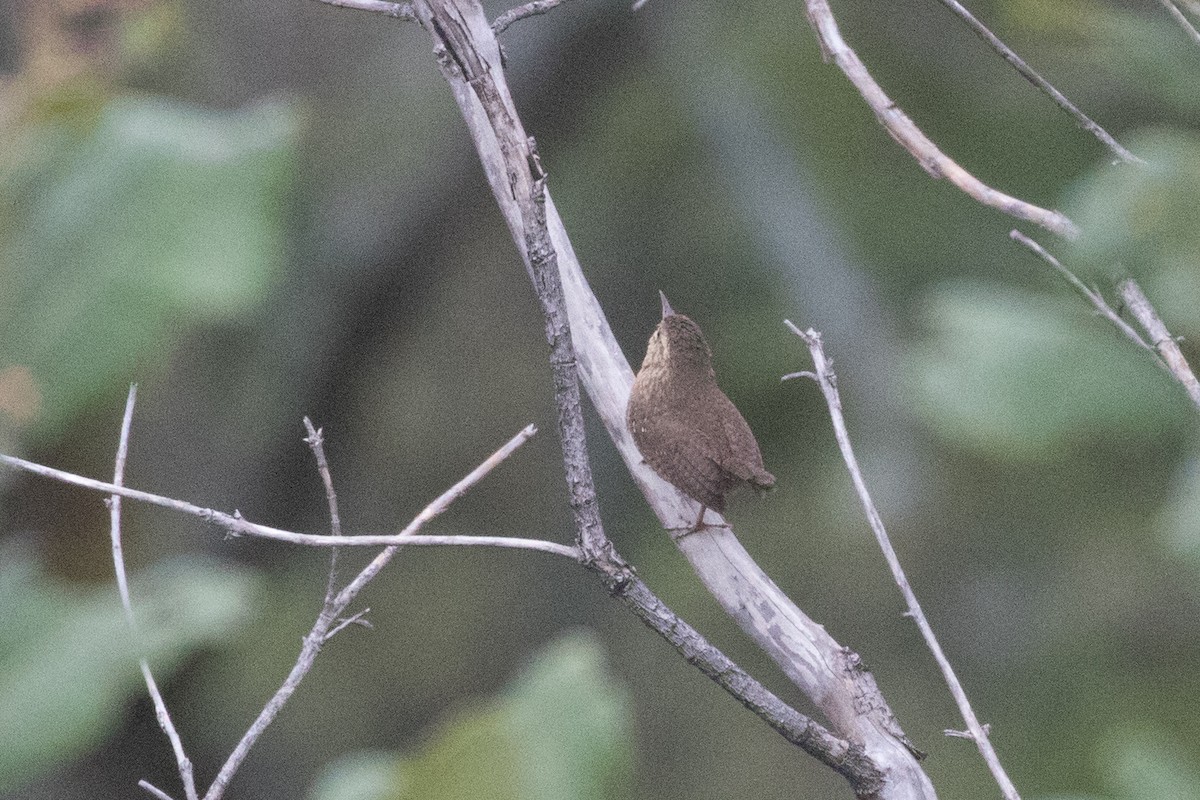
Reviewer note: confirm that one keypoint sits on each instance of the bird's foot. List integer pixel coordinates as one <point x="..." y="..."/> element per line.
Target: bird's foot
<point x="699" y="525"/>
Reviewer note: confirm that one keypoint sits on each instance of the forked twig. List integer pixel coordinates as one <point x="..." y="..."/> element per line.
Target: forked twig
<point x="827" y="380"/>
<point x="237" y="525"/>
<point x="329" y="621"/>
<point x="1093" y="296"/>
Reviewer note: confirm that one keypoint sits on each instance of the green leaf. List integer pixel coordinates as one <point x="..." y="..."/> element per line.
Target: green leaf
<point x="68" y="664"/>
<point x="561" y="731"/>
<point x="1023" y="375"/>
<point x="1146" y="220"/>
<point x="158" y="218"/>
<point x="1146" y="764"/>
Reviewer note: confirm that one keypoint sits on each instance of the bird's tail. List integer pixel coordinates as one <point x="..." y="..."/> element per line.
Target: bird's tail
<point x="762" y="481"/>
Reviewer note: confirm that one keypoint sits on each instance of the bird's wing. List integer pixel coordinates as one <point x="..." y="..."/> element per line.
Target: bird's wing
<point x="679" y="452"/>
<point x="742" y="459"/>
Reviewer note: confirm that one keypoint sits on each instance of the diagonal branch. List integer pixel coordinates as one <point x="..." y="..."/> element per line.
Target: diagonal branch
<point x="469" y="58"/>
<point x="827" y="380"/>
<point x="912" y="139"/>
<point x="1031" y="75"/>
<point x="328" y="621"/>
<point x="1183" y="21"/>
<point x="1166" y="345"/>
<point x="1093" y="296"/>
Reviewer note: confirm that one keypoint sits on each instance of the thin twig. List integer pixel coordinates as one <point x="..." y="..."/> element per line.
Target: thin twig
<point x="827" y="380"/>
<point x="1166" y="345"/>
<point x="1184" y="22"/>
<point x="328" y="621"/>
<point x="1031" y="75"/>
<point x="358" y="618"/>
<point x="402" y="11"/>
<point x="237" y="525"/>
<point x="114" y="513"/>
<point x="154" y="790"/>
<point x="316" y="442"/>
<point x="1093" y="296"/>
<point x="531" y="9"/>
<point x="912" y="139"/>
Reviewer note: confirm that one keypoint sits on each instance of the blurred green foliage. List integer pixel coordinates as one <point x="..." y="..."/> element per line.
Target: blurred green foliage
<point x="562" y="730"/>
<point x="1145" y="221"/>
<point x="1017" y="375"/>
<point x="1143" y="763"/>
<point x="68" y="664"/>
<point x="125" y="232"/>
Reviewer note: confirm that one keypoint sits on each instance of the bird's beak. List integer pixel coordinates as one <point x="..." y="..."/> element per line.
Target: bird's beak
<point x="666" y="305"/>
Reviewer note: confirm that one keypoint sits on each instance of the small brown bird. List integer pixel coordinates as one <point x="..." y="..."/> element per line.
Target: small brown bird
<point x="686" y="428"/>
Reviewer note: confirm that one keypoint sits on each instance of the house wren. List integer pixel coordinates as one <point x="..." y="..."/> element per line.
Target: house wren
<point x="686" y="428"/>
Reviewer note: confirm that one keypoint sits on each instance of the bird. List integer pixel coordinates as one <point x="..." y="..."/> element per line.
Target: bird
<point x="685" y="427"/>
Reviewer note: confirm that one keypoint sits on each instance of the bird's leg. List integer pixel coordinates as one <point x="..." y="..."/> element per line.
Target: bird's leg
<point x="679" y="533"/>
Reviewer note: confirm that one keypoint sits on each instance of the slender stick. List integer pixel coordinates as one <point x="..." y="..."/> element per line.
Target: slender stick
<point x="531" y="9"/>
<point x="316" y="442"/>
<point x="1031" y="75"/>
<point x="1183" y="21"/>
<point x="1093" y="296"/>
<point x="1166" y="345"/>
<point x="394" y="10"/>
<point x="827" y="380"/>
<point x="154" y="790"/>
<point x="912" y="139"/>
<point x="114" y="512"/>
<point x="236" y="525"/>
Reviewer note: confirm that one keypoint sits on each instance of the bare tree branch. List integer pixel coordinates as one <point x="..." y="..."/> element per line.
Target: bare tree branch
<point x="470" y="61"/>
<point x="236" y="525"/>
<point x="827" y="380"/>
<point x="154" y="790"/>
<point x="1093" y="296"/>
<point x="1183" y="21"/>
<point x="394" y="10"/>
<point x="328" y="622"/>
<point x="912" y="139"/>
<point x="531" y="9"/>
<point x="114" y="509"/>
<point x="1031" y="75"/>
<point x="316" y="442"/>
<point x="1166" y="345"/>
